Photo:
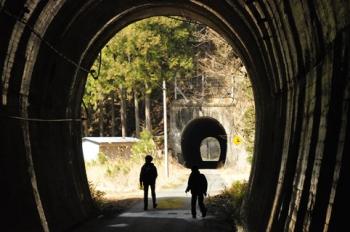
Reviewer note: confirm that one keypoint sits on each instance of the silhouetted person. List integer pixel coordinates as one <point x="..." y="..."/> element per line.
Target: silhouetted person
<point x="148" y="177"/>
<point x="197" y="183"/>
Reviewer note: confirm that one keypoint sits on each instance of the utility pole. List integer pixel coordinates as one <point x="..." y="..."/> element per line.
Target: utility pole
<point x="166" y="165"/>
<point x="175" y="88"/>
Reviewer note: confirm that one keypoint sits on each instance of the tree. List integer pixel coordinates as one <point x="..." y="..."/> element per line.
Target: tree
<point x="138" y="58"/>
<point x="158" y="49"/>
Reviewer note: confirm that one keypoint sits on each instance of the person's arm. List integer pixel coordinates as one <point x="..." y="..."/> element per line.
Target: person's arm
<point x="141" y="177"/>
<point x="189" y="184"/>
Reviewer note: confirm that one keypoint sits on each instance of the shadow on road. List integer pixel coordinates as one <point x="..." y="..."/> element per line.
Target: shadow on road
<point x="172" y="214"/>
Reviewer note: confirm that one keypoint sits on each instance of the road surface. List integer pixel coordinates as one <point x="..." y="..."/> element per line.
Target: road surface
<point x="172" y="214"/>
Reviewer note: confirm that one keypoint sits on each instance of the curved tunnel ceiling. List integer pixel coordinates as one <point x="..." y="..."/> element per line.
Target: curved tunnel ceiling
<point x="296" y="54"/>
<point x="192" y="136"/>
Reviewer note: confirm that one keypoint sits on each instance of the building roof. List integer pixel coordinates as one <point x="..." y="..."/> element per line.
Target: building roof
<point x="99" y="140"/>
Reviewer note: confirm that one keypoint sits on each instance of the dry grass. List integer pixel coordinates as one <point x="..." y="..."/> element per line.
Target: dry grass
<point x="227" y="204"/>
<point x="119" y="179"/>
<point x="233" y="174"/>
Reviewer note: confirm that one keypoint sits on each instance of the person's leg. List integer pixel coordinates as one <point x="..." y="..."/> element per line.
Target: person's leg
<point x="145" y="196"/>
<point x="153" y="192"/>
<point x="193" y="205"/>
<point x="201" y="205"/>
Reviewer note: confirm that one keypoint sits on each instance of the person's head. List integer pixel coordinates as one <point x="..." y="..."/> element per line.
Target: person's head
<point x="148" y="159"/>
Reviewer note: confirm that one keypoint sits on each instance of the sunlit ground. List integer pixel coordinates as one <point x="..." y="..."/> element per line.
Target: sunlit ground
<point x="124" y="198"/>
<point x="124" y="183"/>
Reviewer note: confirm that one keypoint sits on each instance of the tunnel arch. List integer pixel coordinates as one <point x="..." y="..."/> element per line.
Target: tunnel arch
<point x="296" y="56"/>
<point x="194" y="133"/>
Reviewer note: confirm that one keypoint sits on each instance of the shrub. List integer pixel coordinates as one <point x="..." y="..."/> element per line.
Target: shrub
<point x="97" y="195"/>
<point x="102" y="158"/>
<point x="228" y="203"/>
<point x="249" y="131"/>
<point x="145" y="146"/>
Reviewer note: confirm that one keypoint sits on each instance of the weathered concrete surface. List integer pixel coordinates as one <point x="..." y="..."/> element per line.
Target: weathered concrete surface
<point x="296" y="54"/>
<point x="182" y="114"/>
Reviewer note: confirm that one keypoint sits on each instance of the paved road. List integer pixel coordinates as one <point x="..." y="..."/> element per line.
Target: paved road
<point x="172" y="214"/>
<point x="215" y="185"/>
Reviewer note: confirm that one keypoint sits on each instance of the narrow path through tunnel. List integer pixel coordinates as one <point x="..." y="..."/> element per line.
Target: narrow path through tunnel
<point x="296" y="54"/>
<point x="194" y="133"/>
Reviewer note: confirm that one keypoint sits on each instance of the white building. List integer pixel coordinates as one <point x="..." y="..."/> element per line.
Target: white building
<point x="111" y="146"/>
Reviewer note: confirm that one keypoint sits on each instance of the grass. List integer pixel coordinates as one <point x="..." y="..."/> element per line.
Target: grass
<point x="120" y="176"/>
<point x="173" y="203"/>
<point x="227" y="204"/>
<point x="107" y="206"/>
<point x="114" y="186"/>
<point x="97" y="195"/>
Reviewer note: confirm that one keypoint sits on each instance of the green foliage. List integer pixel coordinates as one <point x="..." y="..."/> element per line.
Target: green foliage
<point x="145" y="146"/>
<point x="250" y="157"/>
<point x="110" y="171"/>
<point x="228" y="203"/>
<point x="97" y="195"/>
<point x="116" y="167"/>
<point x="142" y="55"/>
<point x="90" y="163"/>
<point x="249" y="130"/>
<point x="136" y="60"/>
<point x="102" y="158"/>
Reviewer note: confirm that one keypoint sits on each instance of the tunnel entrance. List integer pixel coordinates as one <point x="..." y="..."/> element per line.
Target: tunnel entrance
<point x="210" y="149"/>
<point x="197" y="131"/>
<point x="297" y="56"/>
<point x="59" y="97"/>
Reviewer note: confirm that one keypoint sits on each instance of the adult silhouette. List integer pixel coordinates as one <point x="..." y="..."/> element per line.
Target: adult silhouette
<point x="148" y="177"/>
<point x="197" y="183"/>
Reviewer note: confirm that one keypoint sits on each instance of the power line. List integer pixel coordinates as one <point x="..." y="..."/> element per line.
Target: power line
<point x="46" y="120"/>
<point x="37" y="34"/>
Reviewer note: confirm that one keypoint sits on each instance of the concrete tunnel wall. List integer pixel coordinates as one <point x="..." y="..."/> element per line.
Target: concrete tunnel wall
<point x="296" y="54"/>
<point x="194" y="133"/>
<point x="181" y="113"/>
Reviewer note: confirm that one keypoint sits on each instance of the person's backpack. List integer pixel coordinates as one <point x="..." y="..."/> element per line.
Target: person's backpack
<point x="150" y="173"/>
<point x="203" y="183"/>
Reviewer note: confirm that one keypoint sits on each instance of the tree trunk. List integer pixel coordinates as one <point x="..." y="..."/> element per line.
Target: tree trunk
<point x="101" y="118"/>
<point x="122" y="110"/>
<point x="148" y="110"/>
<point x="112" y="117"/>
<point x="137" y="115"/>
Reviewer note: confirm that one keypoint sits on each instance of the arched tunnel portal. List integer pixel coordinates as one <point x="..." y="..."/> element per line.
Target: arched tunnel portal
<point x="194" y="133"/>
<point x="297" y="57"/>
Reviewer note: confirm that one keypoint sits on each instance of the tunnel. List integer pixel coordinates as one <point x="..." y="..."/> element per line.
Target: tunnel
<point x="297" y="57"/>
<point x="192" y="136"/>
